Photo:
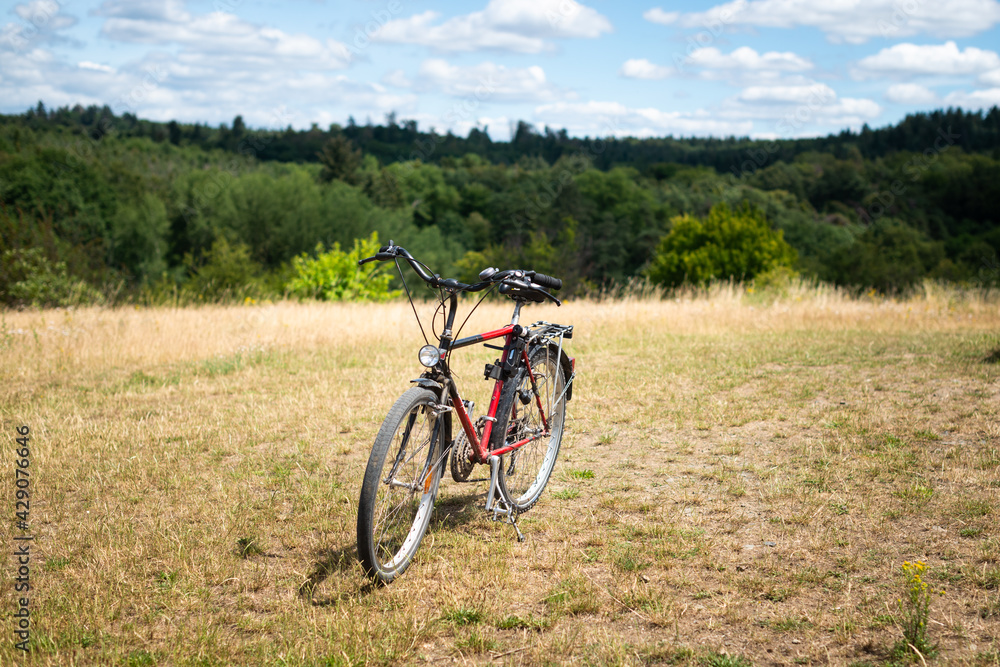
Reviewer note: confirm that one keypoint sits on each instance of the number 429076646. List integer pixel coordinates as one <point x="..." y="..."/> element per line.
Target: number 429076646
<point x="21" y="474"/>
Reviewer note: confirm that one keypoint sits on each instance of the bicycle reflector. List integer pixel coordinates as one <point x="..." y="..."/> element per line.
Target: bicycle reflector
<point x="429" y="356"/>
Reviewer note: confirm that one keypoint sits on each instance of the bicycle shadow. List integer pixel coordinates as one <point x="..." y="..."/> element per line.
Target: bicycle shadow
<point x="330" y="562"/>
<point x="456" y="511"/>
<point x="450" y="513"/>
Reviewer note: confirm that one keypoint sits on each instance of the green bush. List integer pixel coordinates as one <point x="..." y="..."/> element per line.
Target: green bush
<point x="28" y="278"/>
<point x="773" y="284"/>
<point x="335" y="275"/>
<point x="728" y="243"/>
<point x="226" y="272"/>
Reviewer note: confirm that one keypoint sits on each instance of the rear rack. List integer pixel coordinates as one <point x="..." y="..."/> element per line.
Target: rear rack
<point x="542" y="330"/>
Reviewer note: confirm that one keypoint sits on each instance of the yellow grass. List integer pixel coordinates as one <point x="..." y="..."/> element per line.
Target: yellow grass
<point x="741" y="476"/>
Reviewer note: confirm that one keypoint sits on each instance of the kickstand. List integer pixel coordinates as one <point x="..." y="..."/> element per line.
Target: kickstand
<point x="499" y="508"/>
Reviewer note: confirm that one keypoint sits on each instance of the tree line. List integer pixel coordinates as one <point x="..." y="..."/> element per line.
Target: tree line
<point x="96" y="206"/>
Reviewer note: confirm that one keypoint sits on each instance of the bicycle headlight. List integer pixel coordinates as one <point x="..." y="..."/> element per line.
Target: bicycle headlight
<point x="429" y="356"/>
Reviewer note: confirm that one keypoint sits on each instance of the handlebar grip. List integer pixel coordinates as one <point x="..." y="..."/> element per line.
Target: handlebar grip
<point x="381" y="256"/>
<point x="546" y="281"/>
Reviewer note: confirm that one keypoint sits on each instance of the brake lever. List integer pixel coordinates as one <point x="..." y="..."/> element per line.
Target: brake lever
<point x="554" y="299"/>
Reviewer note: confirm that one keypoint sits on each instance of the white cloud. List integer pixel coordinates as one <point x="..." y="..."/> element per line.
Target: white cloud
<point x="854" y="107"/>
<point x="910" y="93"/>
<point x="853" y="21"/>
<point x="744" y="66"/>
<point x="487" y="82"/>
<point x="206" y="67"/>
<point x="35" y="75"/>
<point x="799" y="110"/>
<point x="976" y="99"/>
<point x="991" y="78"/>
<point x="522" y="26"/>
<point x="145" y="10"/>
<point x="641" y="68"/>
<point x="220" y="38"/>
<point x="42" y="21"/>
<point x="745" y="58"/>
<point x="941" y="59"/>
<point x="604" y="119"/>
<point x="817" y="93"/>
<point x="397" y="78"/>
<point x="657" y="15"/>
<point x="86" y="64"/>
<point x="45" y="14"/>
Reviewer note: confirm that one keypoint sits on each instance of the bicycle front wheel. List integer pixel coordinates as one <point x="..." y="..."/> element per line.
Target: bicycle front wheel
<point x="534" y="406"/>
<point x="400" y="486"/>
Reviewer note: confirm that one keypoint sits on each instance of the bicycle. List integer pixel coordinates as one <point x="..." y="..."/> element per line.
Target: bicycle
<point x="518" y="437"/>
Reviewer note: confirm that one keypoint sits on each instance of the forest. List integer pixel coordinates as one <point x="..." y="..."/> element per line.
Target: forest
<point x="96" y="207"/>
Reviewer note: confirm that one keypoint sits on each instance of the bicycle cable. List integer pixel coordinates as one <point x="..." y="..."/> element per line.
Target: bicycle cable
<point x="441" y="303"/>
<point x="410" y="298"/>
<point x="437" y="310"/>
<point x="462" y="325"/>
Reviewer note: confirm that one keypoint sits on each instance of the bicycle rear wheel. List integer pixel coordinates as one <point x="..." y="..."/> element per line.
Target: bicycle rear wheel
<point x="400" y="486"/>
<point x="534" y="406"/>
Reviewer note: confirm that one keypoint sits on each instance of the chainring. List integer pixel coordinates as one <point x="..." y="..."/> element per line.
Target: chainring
<point x="461" y="464"/>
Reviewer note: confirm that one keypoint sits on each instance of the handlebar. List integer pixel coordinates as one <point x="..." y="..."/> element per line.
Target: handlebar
<point x="514" y="278"/>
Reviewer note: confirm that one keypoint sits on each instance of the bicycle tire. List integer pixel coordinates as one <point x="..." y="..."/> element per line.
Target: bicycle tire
<point x="524" y="473"/>
<point x="393" y="517"/>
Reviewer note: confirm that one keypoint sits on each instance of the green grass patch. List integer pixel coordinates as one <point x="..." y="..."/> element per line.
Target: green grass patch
<point x="463" y="616"/>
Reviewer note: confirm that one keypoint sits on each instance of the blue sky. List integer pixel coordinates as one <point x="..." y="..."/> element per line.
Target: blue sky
<point x="763" y="68"/>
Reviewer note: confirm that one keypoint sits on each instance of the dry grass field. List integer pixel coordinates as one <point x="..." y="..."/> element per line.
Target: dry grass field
<point x="740" y="483"/>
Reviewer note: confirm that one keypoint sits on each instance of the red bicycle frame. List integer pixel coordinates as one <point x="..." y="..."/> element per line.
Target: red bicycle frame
<point x="480" y="446"/>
